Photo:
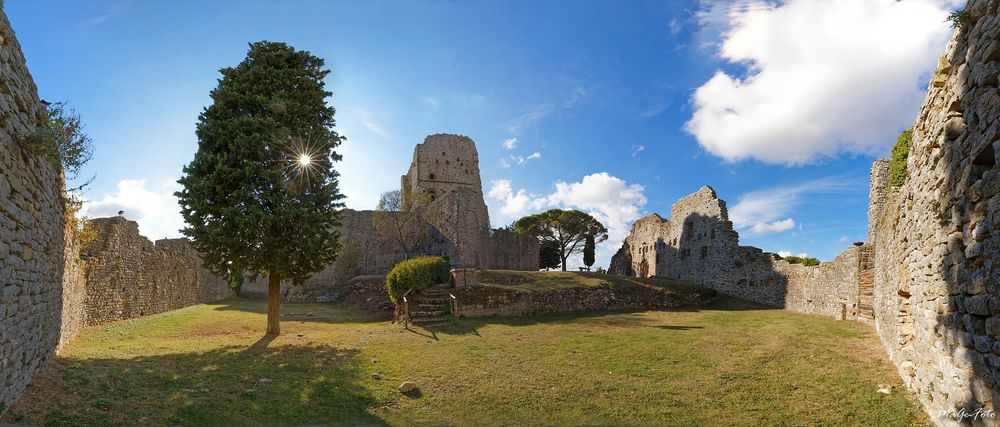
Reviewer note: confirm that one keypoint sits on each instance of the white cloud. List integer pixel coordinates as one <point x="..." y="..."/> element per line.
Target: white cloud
<point x="575" y="96"/>
<point x="785" y="254"/>
<point x="652" y="112"/>
<point x="609" y="199"/>
<point x="510" y="143"/>
<point x="843" y="239"/>
<point x="519" y="160"/>
<point x="636" y="149"/>
<point x="115" y="10"/>
<point x="824" y="76"/>
<point x="371" y="125"/>
<point x="773" y="227"/>
<point x="431" y="101"/>
<point x="529" y="119"/>
<point x="514" y="204"/>
<point x="675" y="27"/>
<point x="155" y="209"/>
<point x="767" y="210"/>
<point x="469" y="100"/>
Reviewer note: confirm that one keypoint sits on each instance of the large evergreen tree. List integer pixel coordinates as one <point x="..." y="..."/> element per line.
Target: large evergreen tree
<point x="261" y="195"/>
<point x="589" y="249"/>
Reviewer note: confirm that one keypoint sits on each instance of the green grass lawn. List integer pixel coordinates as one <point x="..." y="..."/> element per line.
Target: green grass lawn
<point x="730" y="364"/>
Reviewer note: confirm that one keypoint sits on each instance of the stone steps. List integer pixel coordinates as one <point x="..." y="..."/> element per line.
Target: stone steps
<point x="431" y="306"/>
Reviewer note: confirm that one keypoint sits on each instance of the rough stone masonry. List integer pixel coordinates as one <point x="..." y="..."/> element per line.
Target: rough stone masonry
<point x="32" y="241"/>
<point x="698" y="244"/>
<point x="444" y="176"/>
<point x="935" y="239"/>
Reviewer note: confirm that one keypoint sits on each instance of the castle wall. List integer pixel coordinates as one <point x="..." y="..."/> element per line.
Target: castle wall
<point x="367" y="250"/>
<point x="127" y="276"/>
<point x="513" y="251"/>
<point x="445" y="170"/>
<point x="32" y="229"/>
<point x="937" y="247"/>
<point x="698" y="244"/>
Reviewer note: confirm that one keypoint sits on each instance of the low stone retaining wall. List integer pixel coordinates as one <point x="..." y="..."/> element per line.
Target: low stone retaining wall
<point x="486" y="301"/>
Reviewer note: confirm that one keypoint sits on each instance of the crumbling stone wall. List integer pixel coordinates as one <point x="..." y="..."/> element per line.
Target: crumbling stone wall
<point x="698" y="244"/>
<point x="454" y="223"/>
<point x="512" y="251"/>
<point x="32" y="247"/>
<point x="365" y="251"/>
<point x="488" y="301"/>
<point x="128" y="276"/>
<point x="445" y="169"/>
<point x="937" y="247"/>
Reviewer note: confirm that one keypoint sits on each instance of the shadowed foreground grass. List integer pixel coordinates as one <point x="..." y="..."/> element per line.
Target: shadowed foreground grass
<point x="728" y="365"/>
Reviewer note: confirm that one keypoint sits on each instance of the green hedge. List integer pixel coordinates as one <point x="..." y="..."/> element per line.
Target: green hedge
<point x="808" y="262"/>
<point x="417" y="274"/>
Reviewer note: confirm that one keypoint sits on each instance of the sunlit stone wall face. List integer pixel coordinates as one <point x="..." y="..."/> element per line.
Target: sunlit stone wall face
<point x="698" y="244"/>
<point x="937" y="271"/>
<point x="445" y="170"/>
<point x="126" y="275"/>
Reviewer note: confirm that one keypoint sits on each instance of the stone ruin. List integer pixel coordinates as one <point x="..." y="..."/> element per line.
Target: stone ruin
<point x="453" y="221"/>
<point x="53" y="283"/>
<point x="926" y="278"/>
<point x="698" y="244"/>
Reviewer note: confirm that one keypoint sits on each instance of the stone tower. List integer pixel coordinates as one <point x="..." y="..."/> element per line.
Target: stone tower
<point x="445" y="170"/>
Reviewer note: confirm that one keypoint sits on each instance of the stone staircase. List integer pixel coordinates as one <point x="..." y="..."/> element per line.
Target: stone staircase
<point x="866" y="291"/>
<point x="866" y="286"/>
<point x="431" y="307"/>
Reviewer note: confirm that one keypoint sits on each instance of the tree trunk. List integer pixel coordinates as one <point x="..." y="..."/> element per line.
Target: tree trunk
<point x="273" y="303"/>
<point x="564" y="263"/>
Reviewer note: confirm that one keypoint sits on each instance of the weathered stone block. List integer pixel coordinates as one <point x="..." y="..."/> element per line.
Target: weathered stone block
<point x="978" y="305"/>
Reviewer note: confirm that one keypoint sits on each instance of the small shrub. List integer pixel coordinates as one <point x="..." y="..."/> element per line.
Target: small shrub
<point x="59" y="137"/>
<point x="900" y="154"/>
<point x="960" y="18"/>
<point x="84" y="233"/>
<point x="806" y="261"/>
<point x="416" y="274"/>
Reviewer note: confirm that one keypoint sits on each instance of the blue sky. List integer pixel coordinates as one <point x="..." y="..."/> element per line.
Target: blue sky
<point x="615" y="108"/>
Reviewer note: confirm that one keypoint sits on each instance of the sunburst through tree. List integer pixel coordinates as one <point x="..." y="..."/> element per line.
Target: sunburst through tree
<point x="261" y="195"/>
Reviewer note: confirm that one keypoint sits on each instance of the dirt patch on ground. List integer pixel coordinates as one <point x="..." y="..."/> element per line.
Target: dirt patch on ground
<point x="366" y="293"/>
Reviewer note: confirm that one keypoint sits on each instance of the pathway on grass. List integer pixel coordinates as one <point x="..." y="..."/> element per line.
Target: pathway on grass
<point x="730" y="364"/>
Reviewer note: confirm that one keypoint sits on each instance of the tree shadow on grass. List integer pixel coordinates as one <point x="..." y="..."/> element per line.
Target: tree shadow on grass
<point x="619" y="318"/>
<point x="235" y="385"/>
<point x="307" y="312"/>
